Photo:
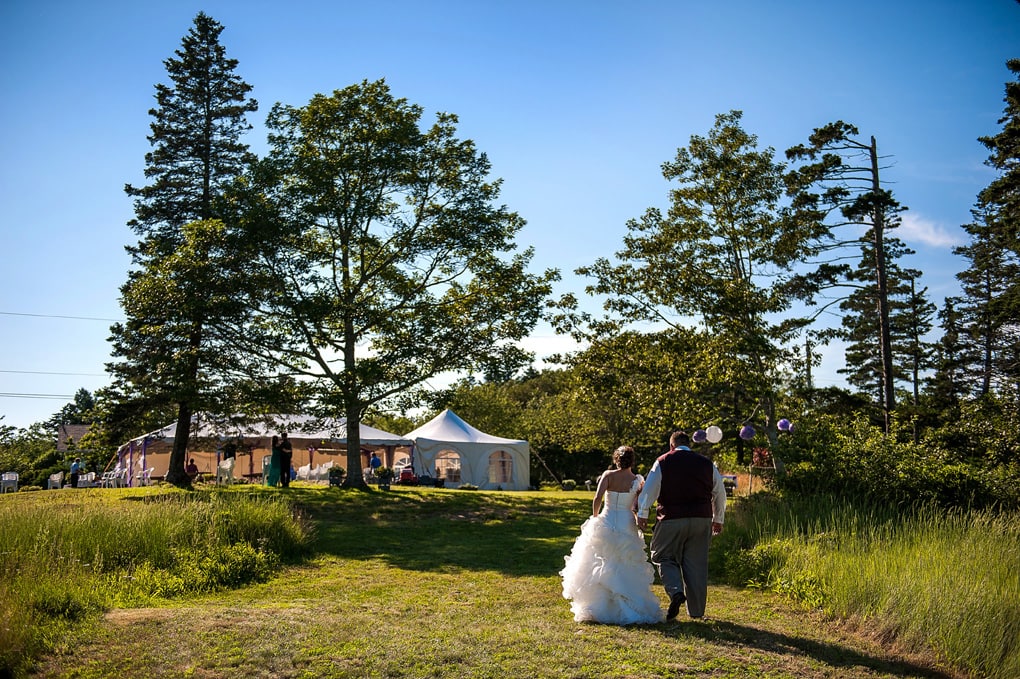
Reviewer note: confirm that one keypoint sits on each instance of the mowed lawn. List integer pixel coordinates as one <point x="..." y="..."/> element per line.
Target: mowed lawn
<point x="449" y="583"/>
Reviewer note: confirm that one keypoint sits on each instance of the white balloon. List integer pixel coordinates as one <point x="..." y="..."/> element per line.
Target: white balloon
<point x="714" y="434"/>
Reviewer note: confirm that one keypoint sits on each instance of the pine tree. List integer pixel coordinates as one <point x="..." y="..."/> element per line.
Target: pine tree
<point x="949" y="384"/>
<point x="841" y="186"/>
<point x="984" y="308"/>
<point x="990" y="305"/>
<point x="174" y="291"/>
<point x="196" y="136"/>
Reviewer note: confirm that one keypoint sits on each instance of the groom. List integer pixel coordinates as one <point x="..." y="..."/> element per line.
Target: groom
<point x="692" y="503"/>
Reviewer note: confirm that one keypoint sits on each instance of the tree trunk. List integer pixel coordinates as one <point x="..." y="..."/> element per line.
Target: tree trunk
<point x="355" y="478"/>
<point x="175" y="471"/>
<point x="885" y="332"/>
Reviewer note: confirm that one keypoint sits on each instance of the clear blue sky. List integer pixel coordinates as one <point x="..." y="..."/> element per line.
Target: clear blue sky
<point x="577" y="104"/>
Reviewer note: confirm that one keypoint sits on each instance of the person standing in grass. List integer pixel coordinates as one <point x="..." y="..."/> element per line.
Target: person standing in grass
<point x="76" y="468"/>
<point x="286" y="459"/>
<point x="607" y="576"/>
<point x="691" y="507"/>
<point x="273" y="475"/>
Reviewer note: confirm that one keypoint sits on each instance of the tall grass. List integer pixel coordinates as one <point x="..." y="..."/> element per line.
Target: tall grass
<point x="64" y="558"/>
<point x="928" y="577"/>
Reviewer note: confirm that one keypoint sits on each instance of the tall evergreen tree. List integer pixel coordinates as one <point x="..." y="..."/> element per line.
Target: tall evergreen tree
<point x="197" y="151"/>
<point x="860" y="321"/>
<point x="949" y="384"/>
<point x="990" y="305"/>
<point x="912" y="322"/>
<point x="841" y="181"/>
<point x="196" y="137"/>
<point x="985" y="310"/>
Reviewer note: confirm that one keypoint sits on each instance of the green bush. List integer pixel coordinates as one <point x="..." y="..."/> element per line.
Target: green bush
<point x="569" y="484"/>
<point x="757" y="566"/>
<point x="197" y="570"/>
<point x="861" y="461"/>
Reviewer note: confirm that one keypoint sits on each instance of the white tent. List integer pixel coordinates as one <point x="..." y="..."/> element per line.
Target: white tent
<point x="314" y="440"/>
<point x="449" y="448"/>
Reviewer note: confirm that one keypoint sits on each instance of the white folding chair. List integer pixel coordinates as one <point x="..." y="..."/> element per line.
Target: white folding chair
<point x="225" y="471"/>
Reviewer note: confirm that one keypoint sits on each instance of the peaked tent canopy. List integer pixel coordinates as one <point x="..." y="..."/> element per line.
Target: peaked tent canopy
<point x="455" y="451"/>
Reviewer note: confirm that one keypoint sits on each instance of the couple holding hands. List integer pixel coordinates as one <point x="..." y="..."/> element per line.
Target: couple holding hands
<point x="607" y="577"/>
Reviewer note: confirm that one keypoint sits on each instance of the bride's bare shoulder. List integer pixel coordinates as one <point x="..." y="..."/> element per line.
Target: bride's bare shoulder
<point x="619" y="480"/>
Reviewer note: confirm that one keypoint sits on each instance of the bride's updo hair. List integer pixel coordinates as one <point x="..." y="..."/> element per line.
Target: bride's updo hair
<point x="623" y="457"/>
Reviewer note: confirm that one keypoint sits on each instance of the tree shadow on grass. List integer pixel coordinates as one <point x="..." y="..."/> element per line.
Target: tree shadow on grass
<point x="832" y="655"/>
<point x="445" y="531"/>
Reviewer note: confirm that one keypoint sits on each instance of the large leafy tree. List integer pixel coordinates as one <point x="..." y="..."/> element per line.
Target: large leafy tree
<point x="839" y="185"/>
<point x="722" y="259"/>
<point x="197" y="151"/>
<point x="384" y="258"/>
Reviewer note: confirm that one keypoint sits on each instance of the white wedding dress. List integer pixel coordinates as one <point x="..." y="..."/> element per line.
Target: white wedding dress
<point x="607" y="577"/>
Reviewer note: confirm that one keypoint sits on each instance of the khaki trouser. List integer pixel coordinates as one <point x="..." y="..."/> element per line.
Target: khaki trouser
<point x="679" y="551"/>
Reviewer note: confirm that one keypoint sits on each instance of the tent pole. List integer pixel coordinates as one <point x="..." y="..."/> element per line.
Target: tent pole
<point x="535" y="453"/>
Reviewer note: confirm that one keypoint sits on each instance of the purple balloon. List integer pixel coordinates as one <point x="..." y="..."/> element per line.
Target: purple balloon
<point x="784" y="424"/>
<point x="700" y="436"/>
<point x="747" y="432"/>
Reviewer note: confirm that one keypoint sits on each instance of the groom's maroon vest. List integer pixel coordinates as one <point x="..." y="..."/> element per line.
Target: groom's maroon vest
<point x="686" y="489"/>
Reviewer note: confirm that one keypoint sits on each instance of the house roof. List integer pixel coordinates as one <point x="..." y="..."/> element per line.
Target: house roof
<point x="70" y="433"/>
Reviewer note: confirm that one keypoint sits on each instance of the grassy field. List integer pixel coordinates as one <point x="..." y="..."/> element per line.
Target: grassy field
<point x="930" y="577"/>
<point x="440" y="583"/>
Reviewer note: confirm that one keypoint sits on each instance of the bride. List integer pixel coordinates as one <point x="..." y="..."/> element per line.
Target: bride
<point x="607" y="576"/>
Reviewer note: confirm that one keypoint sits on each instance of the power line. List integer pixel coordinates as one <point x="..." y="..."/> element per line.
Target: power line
<point x="43" y="372"/>
<point x="75" y="318"/>
<point x="61" y="397"/>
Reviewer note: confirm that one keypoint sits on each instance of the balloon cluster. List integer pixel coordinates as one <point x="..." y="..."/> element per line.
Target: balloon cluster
<point x="747" y="431"/>
<point x="714" y="434"/>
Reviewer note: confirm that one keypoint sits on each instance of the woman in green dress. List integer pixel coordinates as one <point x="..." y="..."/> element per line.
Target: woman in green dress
<point x="273" y="475"/>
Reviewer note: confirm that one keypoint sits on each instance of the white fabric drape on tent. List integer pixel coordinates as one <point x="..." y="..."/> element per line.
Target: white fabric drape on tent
<point x="486" y="461"/>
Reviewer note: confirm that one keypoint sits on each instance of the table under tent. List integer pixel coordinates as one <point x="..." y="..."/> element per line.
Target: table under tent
<point x="318" y="444"/>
